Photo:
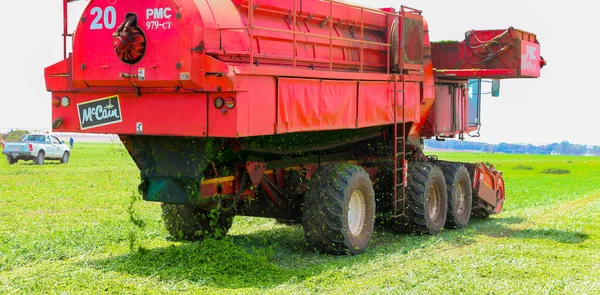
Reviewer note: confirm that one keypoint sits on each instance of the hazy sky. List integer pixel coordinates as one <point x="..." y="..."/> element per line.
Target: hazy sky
<point x="561" y="105"/>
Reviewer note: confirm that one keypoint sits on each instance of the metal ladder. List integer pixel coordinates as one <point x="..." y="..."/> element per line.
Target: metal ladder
<point x="400" y="162"/>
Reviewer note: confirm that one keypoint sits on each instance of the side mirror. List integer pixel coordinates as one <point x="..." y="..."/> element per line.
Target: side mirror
<point x="495" y="87"/>
<point x="62" y="141"/>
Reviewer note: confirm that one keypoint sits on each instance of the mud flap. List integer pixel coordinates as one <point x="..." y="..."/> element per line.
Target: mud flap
<point x="167" y="190"/>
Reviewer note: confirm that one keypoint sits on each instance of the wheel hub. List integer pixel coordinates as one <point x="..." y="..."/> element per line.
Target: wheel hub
<point x="434" y="201"/>
<point x="356" y="212"/>
<point x="462" y="199"/>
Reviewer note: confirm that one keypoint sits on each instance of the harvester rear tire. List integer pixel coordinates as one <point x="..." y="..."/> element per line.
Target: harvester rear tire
<point x="460" y="195"/>
<point x="339" y="210"/>
<point x="191" y="223"/>
<point x="427" y="198"/>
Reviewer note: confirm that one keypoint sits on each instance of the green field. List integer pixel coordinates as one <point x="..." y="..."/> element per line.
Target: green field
<point x="71" y="229"/>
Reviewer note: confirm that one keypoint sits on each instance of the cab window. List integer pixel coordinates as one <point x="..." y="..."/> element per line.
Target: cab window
<point x="55" y="140"/>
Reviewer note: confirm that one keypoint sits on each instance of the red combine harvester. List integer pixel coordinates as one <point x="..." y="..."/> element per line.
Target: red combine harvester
<point x="308" y="111"/>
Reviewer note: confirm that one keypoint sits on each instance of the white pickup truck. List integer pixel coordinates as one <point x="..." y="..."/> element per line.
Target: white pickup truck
<point x="36" y="147"/>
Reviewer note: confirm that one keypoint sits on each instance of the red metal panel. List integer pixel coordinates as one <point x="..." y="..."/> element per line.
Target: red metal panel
<point x="343" y="12"/>
<point x="530" y="59"/>
<point x="180" y="115"/>
<point x="226" y="122"/>
<point x="262" y="105"/>
<point x="489" y="186"/>
<point x="94" y="54"/>
<point x="161" y="64"/>
<point x="412" y="101"/>
<point x="311" y="105"/>
<point x="58" y="76"/>
<point x="457" y="110"/>
<point x="226" y="16"/>
<point x="507" y="53"/>
<point x="443" y="110"/>
<point x="273" y="38"/>
<point x="210" y="33"/>
<point x="376" y="103"/>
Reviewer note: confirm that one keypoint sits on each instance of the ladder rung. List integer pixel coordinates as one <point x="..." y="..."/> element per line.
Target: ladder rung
<point x="400" y="107"/>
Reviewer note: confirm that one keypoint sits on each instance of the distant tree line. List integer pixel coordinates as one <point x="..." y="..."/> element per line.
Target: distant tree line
<point x="563" y="148"/>
<point x="15" y="135"/>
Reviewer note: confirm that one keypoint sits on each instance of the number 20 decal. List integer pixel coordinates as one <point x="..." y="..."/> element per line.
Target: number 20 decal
<point x="103" y="19"/>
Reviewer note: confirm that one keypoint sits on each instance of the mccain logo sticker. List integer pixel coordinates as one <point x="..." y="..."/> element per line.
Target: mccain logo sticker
<point x="99" y="112"/>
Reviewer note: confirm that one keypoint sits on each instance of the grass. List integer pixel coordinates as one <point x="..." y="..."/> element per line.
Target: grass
<point x="67" y="229"/>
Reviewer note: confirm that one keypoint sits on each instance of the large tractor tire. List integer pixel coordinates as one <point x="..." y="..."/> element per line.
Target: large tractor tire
<point x="191" y="223"/>
<point x="339" y="210"/>
<point x="460" y="195"/>
<point x="427" y="198"/>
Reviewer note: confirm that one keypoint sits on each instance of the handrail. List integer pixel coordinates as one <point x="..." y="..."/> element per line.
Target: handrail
<point x="362" y="38"/>
<point x="331" y="37"/>
<point x="322" y="36"/>
<point x="251" y="30"/>
<point x="65" y="33"/>
<point x="344" y="4"/>
<point x="295" y="26"/>
<point x="251" y="27"/>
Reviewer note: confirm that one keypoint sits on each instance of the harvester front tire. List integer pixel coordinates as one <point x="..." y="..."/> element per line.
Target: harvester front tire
<point x="191" y="223"/>
<point x="460" y="195"/>
<point x="339" y="210"/>
<point x="427" y="198"/>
